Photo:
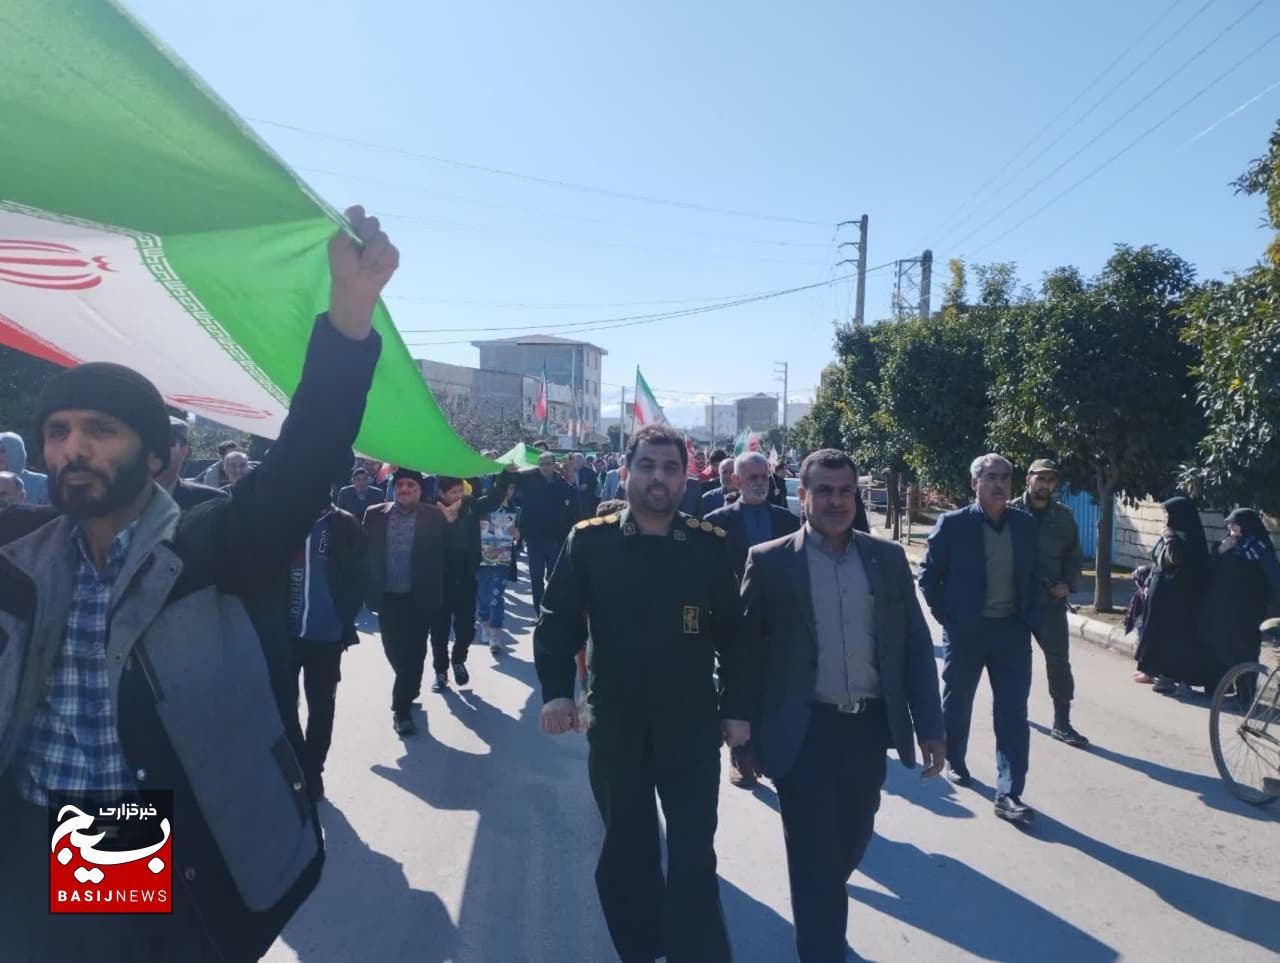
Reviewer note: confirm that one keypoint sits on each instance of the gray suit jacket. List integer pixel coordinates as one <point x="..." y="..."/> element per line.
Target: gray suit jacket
<point x="783" y="634"/>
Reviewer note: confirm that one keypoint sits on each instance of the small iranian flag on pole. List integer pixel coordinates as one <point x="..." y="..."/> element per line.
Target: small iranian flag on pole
<point x="143" y="222"/>
<point x="542" y="409"/>
<point x="645" y="410"/>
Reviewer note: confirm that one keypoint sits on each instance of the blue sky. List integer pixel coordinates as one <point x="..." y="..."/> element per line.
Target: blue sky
<point x="943" y="122"/>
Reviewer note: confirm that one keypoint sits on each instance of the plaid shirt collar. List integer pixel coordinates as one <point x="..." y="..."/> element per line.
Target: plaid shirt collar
<point x="116" y="553"/>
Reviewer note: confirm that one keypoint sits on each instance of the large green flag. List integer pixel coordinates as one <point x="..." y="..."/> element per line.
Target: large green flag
<point x="142" y="222"/>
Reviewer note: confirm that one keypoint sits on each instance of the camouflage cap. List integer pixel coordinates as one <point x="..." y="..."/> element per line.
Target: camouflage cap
<point x="1043" y="465"/>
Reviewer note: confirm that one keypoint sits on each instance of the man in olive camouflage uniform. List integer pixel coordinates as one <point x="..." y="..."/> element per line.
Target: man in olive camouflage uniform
<point x="1060" y="564"/>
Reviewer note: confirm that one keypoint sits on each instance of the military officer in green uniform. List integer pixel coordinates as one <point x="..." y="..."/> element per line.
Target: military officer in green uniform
<point x="1060" y="566"/>
<point x="655" y="590"/>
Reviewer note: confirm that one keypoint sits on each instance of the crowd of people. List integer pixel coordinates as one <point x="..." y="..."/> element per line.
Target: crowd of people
<point x="156" y="632"/>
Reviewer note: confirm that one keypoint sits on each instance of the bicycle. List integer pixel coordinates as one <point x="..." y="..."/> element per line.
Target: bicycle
<point x="1244" y="727"/>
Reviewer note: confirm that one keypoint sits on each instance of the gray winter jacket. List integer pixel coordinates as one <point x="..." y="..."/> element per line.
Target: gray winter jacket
<point x="196" y="650"/>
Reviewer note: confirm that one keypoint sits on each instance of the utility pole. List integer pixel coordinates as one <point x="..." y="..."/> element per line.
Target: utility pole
<point x="713" y="422"/>
<point x="926" y="277"/>
<point x="861" y="305"/>
<point x="860" y="263"/>
<point x="780" y="368"/>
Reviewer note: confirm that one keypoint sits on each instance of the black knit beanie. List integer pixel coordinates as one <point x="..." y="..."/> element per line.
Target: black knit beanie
<point x="115" y="389"/>
<point x="408" y="473"/>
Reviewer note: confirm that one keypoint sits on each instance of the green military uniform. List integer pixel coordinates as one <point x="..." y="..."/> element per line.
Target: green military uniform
<point x="659" y="611"/>
<point x="1061" y="560"/>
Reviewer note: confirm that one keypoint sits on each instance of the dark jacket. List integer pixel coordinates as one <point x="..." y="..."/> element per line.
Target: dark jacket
<point x="782" y="631"/>
<point x="426" y="562"/>
<point x="953" y="575"/>
<point x="189" y="494"/>
<point x="476" y="507"/>
<point x="663" y="611"/>
<point x="548" y="509"/>
<point x="348" y="570"/>
<point x="781" y="521"/>
<point x="349" y="500"/>
<point x="197" y="639"/>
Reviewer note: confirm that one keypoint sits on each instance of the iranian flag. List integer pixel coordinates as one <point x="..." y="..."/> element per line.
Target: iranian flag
<point x="541" y="409"/>
<point x="142" y="222"/>
<point x="746" y="441"/>
<point x="645" y="410"/>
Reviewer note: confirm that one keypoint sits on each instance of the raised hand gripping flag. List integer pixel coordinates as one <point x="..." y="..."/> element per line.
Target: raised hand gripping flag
<point x="142" y="222"/>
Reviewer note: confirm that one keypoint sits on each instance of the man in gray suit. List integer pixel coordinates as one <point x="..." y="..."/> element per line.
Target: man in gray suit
<point x="848" y="670"/>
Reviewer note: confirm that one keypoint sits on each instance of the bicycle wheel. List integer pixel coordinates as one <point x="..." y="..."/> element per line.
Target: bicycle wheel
<point x="1244" y="732"/>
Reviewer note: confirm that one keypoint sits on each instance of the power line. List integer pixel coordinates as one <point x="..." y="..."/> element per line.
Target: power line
<point x="534" y="179"/>
<point x="606" y="324"/>
<point x="1137" y="140"/>
<point x="1110" y="127"/>
<point x="561" y="306"/>
<point x="543" y="212"/>
<point x="955" y="219"/>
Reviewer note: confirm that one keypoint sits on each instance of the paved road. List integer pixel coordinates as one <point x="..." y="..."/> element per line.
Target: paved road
<point x="476" y="840"/>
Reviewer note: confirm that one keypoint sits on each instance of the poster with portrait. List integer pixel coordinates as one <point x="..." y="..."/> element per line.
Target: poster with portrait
<point x="498" y="533"/>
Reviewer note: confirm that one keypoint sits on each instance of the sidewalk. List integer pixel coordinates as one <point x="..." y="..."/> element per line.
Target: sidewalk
<point x="1095" y="631"/>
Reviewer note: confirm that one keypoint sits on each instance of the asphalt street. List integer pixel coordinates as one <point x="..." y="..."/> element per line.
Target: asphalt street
<point x="476" y="839"/>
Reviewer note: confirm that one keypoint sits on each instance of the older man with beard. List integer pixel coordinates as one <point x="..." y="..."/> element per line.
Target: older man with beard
<point x="140" y="644"/>
<point x="661" y="602"/>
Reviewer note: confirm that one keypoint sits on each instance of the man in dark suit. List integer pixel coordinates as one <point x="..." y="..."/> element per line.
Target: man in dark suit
<point x="718" y="497"/>
<point x="749" y="521"/>
<point x="981" y="580"/>
<point x="358" y="497"/>
<point x="406" y="584"/>
<point x="848" y="671"/>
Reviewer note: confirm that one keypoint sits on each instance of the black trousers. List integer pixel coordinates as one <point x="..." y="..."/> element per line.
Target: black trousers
<point x="320" y="664"/>
<point x="458" y="615"/>
<point x="829" y="799"/>
<point x="404" y="628"/>
<point x="648" y="917"/>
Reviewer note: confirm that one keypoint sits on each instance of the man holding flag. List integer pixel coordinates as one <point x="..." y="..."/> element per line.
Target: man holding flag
<point x="156" y="634"/>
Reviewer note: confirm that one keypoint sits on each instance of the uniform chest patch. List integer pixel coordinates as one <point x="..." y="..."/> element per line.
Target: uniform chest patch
<point x="692" y="620"/>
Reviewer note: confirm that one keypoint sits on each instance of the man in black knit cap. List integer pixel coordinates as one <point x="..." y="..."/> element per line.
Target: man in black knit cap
<point x="141" y="647"/>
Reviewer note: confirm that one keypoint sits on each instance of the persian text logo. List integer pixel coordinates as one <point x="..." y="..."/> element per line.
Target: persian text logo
<point x="112" y="857"/>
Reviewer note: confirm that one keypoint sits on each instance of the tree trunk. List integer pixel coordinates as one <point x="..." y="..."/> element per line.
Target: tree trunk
<point x="894" y="506"/>
<point x="1106" y="524"/>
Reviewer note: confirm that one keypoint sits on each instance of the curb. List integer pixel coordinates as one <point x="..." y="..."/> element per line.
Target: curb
<point x="1103" y="634"/>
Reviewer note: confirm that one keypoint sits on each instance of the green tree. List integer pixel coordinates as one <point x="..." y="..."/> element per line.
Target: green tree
<point x="934" y="382"/>
<point x="871" y="434"/>
<point x="1236" y="328"/>
<point x="1103" y="382"/>
<point x="820" y="428"/>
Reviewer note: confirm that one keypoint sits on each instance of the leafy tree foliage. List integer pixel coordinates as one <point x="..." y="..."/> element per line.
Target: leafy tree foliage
<point x="1103" y="382"/>
<point x="1236" y="328"/>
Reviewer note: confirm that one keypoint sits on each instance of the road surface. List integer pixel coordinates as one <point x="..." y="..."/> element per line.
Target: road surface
<point x="476" y="840"/>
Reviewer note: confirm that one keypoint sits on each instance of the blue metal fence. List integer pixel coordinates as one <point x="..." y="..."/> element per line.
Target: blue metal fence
<point x="1086" y="512"/>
